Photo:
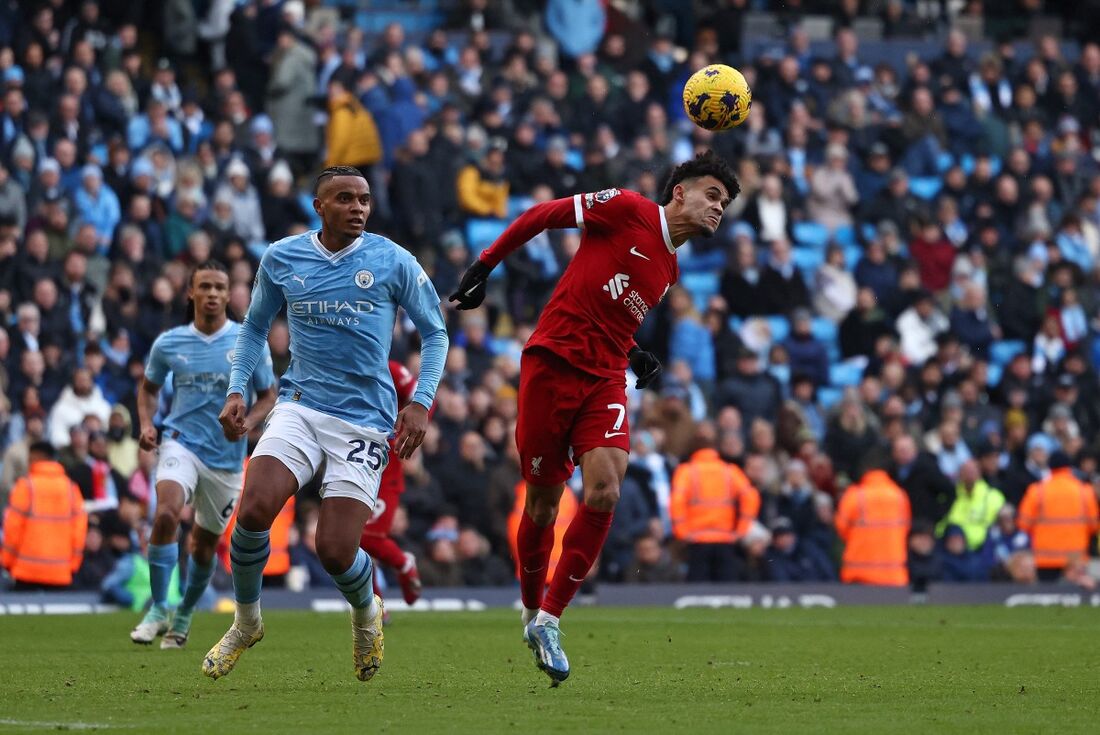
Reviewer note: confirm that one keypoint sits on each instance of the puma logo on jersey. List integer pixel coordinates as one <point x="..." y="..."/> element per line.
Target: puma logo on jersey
<point x="300" y="279"/>
<point x="617" y="285"/>
<point x="634" y="251"/>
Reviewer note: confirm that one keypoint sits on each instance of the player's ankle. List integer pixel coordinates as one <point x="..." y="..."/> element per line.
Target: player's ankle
<point x="363" y="615"/>
<point x="545" y="618"/>
<point x="247" y="614"/>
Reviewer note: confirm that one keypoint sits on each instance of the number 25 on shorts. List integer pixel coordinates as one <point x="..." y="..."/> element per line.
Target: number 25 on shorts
<point x="376" y="453"/>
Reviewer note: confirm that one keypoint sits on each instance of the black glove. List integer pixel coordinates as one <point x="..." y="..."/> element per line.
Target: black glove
<point x="471" y="289"/>
<point x="645" y="365"/>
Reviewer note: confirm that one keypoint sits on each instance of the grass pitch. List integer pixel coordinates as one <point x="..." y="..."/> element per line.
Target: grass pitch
<point x="852" y="670"/>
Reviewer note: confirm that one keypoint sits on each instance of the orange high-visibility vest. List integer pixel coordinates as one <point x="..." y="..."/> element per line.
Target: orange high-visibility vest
<point x="873" y="521"/>
<point x="567" y="508"/>
<point x="44" y="527"/>
<point x="279" y="561"/>
<point x="712" y="501"/>
<point x="1059" y="513"/>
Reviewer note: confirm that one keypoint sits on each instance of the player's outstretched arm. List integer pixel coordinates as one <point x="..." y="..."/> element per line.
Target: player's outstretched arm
<point x="556" y="214"/>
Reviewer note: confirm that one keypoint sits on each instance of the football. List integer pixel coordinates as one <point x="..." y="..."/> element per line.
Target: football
<point x="717" y="97"/>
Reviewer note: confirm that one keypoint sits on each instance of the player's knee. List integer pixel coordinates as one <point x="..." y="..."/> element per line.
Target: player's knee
<point x="333" y="557"/>
<point x="603" y="494"/>
<point x="543" y="514"/>
<point x="166" y="520"/>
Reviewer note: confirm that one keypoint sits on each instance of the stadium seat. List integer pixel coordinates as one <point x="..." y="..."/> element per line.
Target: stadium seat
<point x="1002" y="351"/>
<point x="811" y="234"/>
<point x="993" y="375"/>
<point x="829" y="397"/>
<point x="807" y="261"/>
<point x="844" y="374"/>
<point x="701" y="286"/>
<point x="925" y="187"/>
<point x="852" y="254"/>
<point x="967" y="163"/>
<point x="782" y="373"/>
<point x="845" y="235"/>
<point x="945" y="161"/>
<point x="780" y="327"/>
<point x="517" y="205"/>
<point x="735" y="323"/>
<point x="823" y="329"/>
<point x="480" y="232"/>
<point x="868" y="232"/>
<point x="305" y="201"/>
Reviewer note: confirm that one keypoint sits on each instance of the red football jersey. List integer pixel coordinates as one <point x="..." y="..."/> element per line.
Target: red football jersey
<point x="625" y="265"/>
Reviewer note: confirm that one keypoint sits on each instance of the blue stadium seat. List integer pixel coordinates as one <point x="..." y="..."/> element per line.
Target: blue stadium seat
<point x="945" y="161"/>
<point x="782" y="373"/>
<point x="735" y="323"/>
<point x="845" y="235"/>
<point x="868" y="231"/>
<point x="823" y="329"/>
<point x="925" y="187"/>
<point x="811" y="234"/>
<point x="852" y="254"/>
<point x="305" y="200"/>
<point x="1002" y="351"/>
<point x="993" y="374"/>
<point x="701" y="286"/>
<point x="829" y="397"/>
<point x="780" y="327"/>
<point x="807" y="261"/>
<point x="967" y="163"/>
<point x="844" y="374"/>
<point x="480" y="232"/>
<point x="517" y="205"/>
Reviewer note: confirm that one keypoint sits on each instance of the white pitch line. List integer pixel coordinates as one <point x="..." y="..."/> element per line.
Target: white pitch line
<point x="43" y="725"/>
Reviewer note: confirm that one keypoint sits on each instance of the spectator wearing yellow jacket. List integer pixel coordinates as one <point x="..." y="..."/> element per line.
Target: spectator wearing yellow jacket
<point x="976" y="506"/>
<point x="482" y="188"/>
<point x="352" y="135"/>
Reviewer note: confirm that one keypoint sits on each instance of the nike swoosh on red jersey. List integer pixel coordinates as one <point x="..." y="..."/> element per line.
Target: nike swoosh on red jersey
<point x="609" y="434"/>
<point x="634" y="251"/>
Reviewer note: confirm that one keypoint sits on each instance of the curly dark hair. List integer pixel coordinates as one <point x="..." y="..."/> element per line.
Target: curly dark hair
<point x="707" y="163"/>
<point x="332" y="171"/>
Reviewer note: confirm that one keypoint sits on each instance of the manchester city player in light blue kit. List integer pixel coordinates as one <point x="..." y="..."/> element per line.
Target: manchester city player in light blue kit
<point x="198" y="465"/>
<point x="337" y="405"/>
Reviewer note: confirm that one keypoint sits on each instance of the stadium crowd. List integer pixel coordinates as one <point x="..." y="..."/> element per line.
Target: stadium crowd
<point x="908" y="283"/>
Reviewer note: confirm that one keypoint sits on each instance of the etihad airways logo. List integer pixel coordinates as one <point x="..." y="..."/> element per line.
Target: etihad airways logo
<point x="617" y="285"/>
<point x="336" y="313"/>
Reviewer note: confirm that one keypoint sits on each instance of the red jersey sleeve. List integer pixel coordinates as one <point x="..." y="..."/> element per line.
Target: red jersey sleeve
<point x="554" y="215"/>
<point x="607" y="209"/>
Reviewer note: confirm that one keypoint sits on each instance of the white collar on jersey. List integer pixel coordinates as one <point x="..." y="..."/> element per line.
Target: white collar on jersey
<point x="210" y="337"/>
<point x="664" y="231"/>
<point x="328" y="254"/>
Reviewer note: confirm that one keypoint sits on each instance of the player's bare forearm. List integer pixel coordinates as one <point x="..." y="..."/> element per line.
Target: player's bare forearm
<point x="147" y="396"/>
<point x="265" y="401"/>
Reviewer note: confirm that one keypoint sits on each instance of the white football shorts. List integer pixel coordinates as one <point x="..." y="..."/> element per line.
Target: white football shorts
<point x="212" y="493"/>
<point x="304" y="439"/>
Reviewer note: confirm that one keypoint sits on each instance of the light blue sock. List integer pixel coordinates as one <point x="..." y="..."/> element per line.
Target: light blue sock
<point x="163" y="559"/>
<point x="355" y="583"/>
<point x="248" y="554"/>
<point x="198" y="577"/>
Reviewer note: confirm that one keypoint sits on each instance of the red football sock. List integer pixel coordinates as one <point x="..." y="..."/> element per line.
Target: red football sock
<point x="384" y="549"/>
<point x="533" y="547"/>
<point x="580" y="547"/>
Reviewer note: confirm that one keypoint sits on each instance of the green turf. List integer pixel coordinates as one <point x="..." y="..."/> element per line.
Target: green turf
<point x="859" y="670"/>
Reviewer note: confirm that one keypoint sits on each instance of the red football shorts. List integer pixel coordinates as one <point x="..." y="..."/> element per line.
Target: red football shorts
<point x="390" y="488"/>
<point x="563" y="408"/>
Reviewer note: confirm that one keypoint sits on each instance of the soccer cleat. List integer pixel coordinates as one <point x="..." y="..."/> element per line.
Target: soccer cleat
<point x="409" y="579"/>
<point x="367" y="644"/>
<point x="176" y="637"/>
<point x="221" y="659"/>
<point x="544" y="641"/>
<point x="155" y="623"/>
<point x="526" y="616"/>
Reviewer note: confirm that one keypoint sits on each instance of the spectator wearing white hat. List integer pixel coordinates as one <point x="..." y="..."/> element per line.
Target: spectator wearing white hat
<point x="247" y="215"/>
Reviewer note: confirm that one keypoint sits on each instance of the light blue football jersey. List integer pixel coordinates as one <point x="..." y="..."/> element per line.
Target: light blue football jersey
<point x="341" y="309"/>
<point x="199" y="365"/>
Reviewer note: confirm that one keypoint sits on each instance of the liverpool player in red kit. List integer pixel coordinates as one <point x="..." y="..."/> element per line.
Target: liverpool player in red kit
<point x="572" y="395"/>
<point x="376" y="539"/>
